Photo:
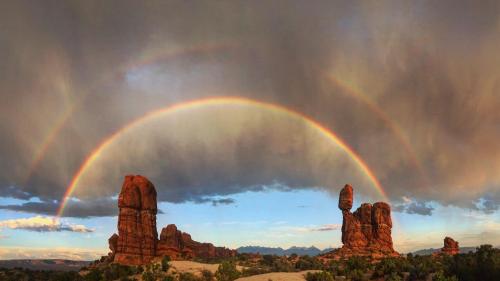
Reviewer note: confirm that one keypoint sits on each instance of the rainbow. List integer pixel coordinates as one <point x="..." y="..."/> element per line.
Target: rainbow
<point x="151" y="57"/>
<point x="389" y="122"/>
<point x="216" y="101"/>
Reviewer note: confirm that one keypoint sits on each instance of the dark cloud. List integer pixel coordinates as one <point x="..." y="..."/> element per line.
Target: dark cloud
<point x="79" y="209"/>
<point x="215" y="201"/>
<point x="412" y="87"/>
<point x="16" y="193"/>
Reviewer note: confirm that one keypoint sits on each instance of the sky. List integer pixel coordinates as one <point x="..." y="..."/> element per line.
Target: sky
<point x="248" y="117"/>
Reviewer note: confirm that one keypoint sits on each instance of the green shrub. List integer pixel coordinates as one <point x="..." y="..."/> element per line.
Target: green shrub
<point x="207" y="275"/>
<point x="168" y="278"/>
<point x="249" y="271"/>
<point x="227" y="272"/>
<point x="319" y="276"/>
<point x="148" y="276"/>
<point x="394" y="277"/>
<point x="93" y="275"/>
<point x="439" y="276"/>
<point x="188" y="276"/>
<point x="164" y="263"/>
<point x="309" y="263"/>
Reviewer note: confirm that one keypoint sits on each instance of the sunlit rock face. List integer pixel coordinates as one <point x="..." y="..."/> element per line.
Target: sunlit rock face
<point x="137" y="240"/>
<point x="366" y="231"/>
<point x="137" y="234"/>
<point x="450" y="246"/>
<point x="180" y="245"/>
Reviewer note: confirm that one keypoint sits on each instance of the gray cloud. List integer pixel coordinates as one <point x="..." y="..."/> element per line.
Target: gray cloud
<point x="414" y="207"/>
<point x="80" y="209"/>
<point x="215" y="201"/>
<point x="73" y="73"/>
<point x="328" y="227"/>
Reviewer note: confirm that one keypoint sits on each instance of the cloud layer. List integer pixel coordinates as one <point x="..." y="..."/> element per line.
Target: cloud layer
<point x="43" y="224"/>
<point x="412" y="87"/>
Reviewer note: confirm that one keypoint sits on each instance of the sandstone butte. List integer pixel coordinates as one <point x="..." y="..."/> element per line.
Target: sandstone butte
<point x="137" y="239"/>
<point x="366" y="232"/>
<point x="450" y="247"/>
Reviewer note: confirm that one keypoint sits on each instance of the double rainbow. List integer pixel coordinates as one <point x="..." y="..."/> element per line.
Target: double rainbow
<point x="217" y="101"/>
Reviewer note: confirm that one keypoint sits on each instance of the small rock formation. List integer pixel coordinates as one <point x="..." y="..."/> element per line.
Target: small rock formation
<point x="177" y="244"/>
<point x="137" y="240"/>
<point x="366" y="232"/>
<point x="450" y="246"/>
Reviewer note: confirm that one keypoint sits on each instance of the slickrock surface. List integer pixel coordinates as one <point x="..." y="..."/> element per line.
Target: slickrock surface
<point x="366" y="232"/>
<point x="137" y="240"/>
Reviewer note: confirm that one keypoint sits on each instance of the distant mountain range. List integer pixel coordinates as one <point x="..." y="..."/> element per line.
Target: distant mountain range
<point x="430" y="251"/>
<point x="301" y="251"/>
<point x="46" y="264"/>
<point x="313" y="251"/>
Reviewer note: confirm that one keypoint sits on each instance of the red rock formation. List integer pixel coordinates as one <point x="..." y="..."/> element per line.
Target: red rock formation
<point x="137" y="239"/>
<point x="178" y="245"/>
<point x="450" y="246"/>
<point x="367" y="231"/>
<point x="137" y="234"/>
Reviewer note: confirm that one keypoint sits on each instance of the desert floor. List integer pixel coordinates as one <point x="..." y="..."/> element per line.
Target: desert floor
<point x="278" y="276"/>
<point x="195" y="267"/>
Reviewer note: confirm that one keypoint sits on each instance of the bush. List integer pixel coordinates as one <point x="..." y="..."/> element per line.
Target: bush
<point x="356" y="275"/>
<point x="394" y="277"/>
<point x="188" y="276"/>
<point x="168" y="278"/>
<point x="249" y="271"/>
<point x="207" y="275"/>
<point x="439" y="276"/>
<point x="93" y="275"/>
<point x="319" y="276"/>
<point x="484" y="264"/>
<point x="227" y="272"/>
<point x="148" y="276"/>
<point x="164" y="263"/>
<point x="390" y="266"/>
<point x="309" y="263"/>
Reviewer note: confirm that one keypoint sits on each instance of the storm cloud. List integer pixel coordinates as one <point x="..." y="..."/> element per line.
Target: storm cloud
<point x="413" y="88"/>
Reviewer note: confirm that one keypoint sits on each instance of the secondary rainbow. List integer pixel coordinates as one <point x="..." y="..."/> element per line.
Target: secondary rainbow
<point x="216" y="101"/>
<point x="347" y="88"/>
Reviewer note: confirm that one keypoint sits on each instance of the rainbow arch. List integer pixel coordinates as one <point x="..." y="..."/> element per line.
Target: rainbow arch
<point x="216" y="101"/>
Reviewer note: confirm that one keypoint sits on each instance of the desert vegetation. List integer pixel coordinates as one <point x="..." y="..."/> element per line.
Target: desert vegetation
<point x="483" y="264"/>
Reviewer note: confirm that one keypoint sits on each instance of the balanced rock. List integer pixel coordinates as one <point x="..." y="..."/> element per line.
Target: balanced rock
<point x="366" y="231"/>
<point x="450" y="246"/>
<point x="137" y="240"/>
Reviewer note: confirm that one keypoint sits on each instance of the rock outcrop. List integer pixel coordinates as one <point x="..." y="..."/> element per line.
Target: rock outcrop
<point x="180" y="245"/>
<point x="137" y="234"/>
<point x="137" y="240"/>
<point x="450" y="246"/>
<point x="367" y="231"/>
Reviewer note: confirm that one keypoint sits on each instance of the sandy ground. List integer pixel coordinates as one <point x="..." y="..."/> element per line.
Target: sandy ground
<point x="195" y="267"/>
<point x="278" y="276"/>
